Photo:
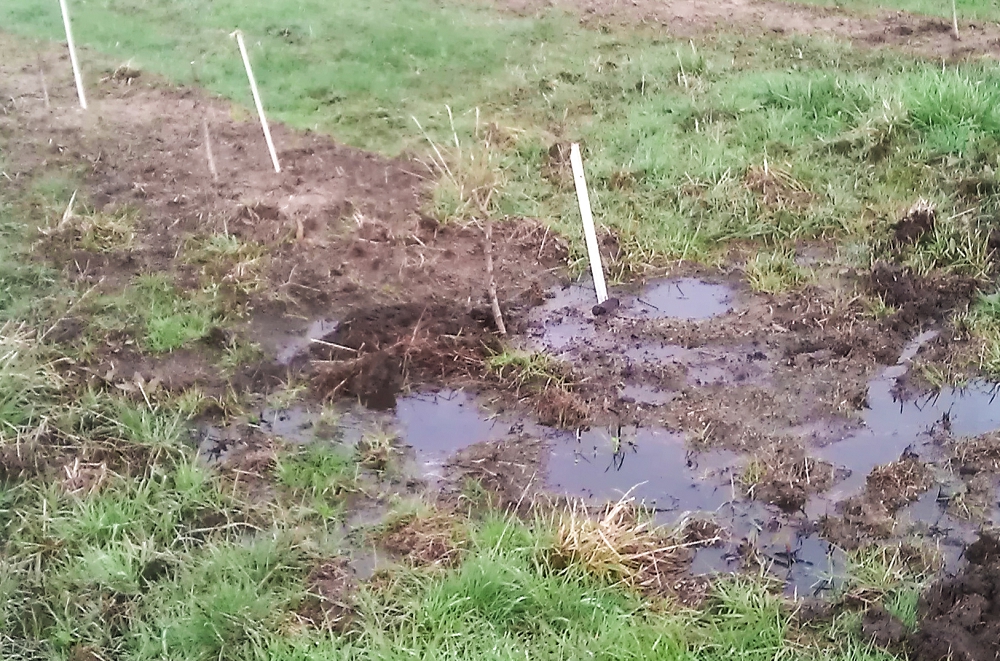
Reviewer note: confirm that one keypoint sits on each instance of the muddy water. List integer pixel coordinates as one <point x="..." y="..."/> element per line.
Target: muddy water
<point x="566" y="320"/>
<point x="654" y="465"/>
<point x="438" y="425"/>
<point x="893" y="425"/>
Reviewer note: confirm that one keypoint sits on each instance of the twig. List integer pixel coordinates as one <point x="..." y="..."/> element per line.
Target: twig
<point x="208" y="150"/>
<point x="494" y="301"/>
<point x="68" y="213"/>
<point x="954" y="18"/>
<point x="41" y="77"/>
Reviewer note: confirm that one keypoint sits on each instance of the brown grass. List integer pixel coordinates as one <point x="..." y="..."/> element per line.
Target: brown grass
<point x="616" y="546"/>
<point x="425" y="539"/>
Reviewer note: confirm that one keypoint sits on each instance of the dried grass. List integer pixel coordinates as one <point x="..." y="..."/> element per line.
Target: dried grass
<point x="617" y="546"/>
<point x="426" y="539"/>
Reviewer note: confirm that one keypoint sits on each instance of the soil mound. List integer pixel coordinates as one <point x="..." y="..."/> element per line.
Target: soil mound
<point x="917" y="298"/>
<point x="960" y="616"/>
<point x="374" y="352"/>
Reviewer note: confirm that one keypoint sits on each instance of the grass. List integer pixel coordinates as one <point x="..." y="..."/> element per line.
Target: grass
<point x="690" y="147"/>
<point x="532" y="369"/>
<point x="163" y="317"/>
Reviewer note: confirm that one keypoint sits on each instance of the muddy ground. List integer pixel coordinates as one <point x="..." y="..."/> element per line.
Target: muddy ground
<point x="749" y="407"/>
<point x="922" y="35"/>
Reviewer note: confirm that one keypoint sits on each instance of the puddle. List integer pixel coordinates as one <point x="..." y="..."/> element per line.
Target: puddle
<point x="643" y="394"/>
<point x="892" y="425"/>
<point x="653" y="466"/>
<point x="438" y="425"/>
<point x="289" y="348"/>
<point x="679" y="298"/>
<point x="684" y="298"/>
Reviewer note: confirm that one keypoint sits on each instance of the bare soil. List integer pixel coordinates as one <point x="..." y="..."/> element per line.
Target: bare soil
<point x="342" y="231"/>
<point x="331" y="586"/>
<point x="960" y="616"/>
<point x="922" y="35"/>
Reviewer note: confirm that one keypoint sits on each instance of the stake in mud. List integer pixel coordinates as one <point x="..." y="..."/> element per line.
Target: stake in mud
<point x="72" y="55"/>
<point x="588" y="224"/>
<point x="256" y="100"/>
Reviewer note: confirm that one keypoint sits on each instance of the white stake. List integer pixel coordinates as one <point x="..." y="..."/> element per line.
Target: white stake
<point x="256" y="100"/>
<point x="588" y="224"/>
<point x="72" y="55"/>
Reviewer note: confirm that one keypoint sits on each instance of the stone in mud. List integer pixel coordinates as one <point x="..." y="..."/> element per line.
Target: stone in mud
<point x="607" y="307"/>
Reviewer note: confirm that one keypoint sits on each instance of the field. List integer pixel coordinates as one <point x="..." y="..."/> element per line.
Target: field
<point x="258" y="415"/>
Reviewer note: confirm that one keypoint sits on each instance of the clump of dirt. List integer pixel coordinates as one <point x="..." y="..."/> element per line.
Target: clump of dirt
<point x="959" y="617"/>
<point x="896" y="484"/>
<point x="882" y="628"/>
<point x="331" y="587"/>
<point x="785" y="476"/>
<point x="425" y="540"/>
<point x="511" y="471"/>
<point x="73" y="465"/>
<point x="977" y="455"/>
<point x="246" y="457"/>
<point x="374" y="352"/>
<point x="870" y="515"/>
<point x="84" y="479"/>
<point x="918" y="299"/>
<point x="917" y="222"/>
<point x="976" y="461"/>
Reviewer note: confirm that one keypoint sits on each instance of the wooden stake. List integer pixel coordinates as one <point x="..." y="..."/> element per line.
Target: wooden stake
<point x="41" y="78"/>
<point x="593" y="250"/>
<point x="257" y="101"/>
<point x="72" y="55"/>
<point x="208" y="149"/>
<point x="494" y="301"/>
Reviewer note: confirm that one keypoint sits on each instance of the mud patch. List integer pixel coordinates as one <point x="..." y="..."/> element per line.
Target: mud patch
<point x="373" y="354"/>
<point x="918" y="299"/>
<point x="959" y="617"/>
<point x="922" y="35"/>
<point x="329" y="603"/>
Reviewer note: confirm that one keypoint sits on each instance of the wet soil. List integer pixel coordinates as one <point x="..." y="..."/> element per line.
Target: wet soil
<point x="925" y="36"/>
<point x="960" y="616"/>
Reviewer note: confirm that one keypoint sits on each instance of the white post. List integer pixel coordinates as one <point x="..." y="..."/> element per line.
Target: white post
<point x="588" y="224"/>
<point x="72" y="55"/>
<point x="256" y="100"/>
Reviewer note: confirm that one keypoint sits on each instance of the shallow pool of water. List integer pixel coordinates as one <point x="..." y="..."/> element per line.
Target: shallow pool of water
<point x="891" y="425"/>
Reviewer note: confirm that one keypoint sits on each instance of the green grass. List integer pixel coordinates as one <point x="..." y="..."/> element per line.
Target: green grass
<point x="674" y="133"/>
<point x="163" y="317"/>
